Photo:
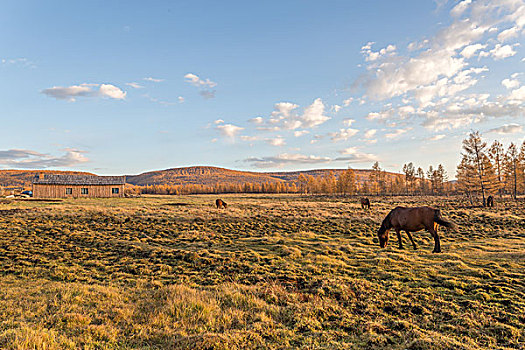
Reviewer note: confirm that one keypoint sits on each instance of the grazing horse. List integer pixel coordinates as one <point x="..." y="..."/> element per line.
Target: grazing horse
<point x="490" y="202"/>
<point x="365" y="203"/>
<point x="220" y="204"/>
<point x="412" y="220"/>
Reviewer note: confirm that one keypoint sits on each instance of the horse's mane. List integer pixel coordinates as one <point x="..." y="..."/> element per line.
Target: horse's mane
<point x="386" y="224"/>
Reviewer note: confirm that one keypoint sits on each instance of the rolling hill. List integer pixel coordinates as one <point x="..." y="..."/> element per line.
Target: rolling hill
<point x="198" y="175"/>
<point x="23" y="178"/>
<point x="207" y="175"/>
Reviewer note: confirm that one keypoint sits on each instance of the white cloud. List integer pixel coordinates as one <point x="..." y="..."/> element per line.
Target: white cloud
<point x="21" y="62"/>
<point x="180" y="99"/>
<point x="256" y="120"/>
<point x="508" y="34"/>
<point x="471" y="50"/>
<point x="397" y="133"/>
<point x="313" y="114"/>
<point x="85" y="90"/>
<point x="437" y="137"/>
<point x="111" y="91"/>
<point x="370" y="55"/>
<point x="347" y="102"/>
<point x="135" y="85"/>
<point x="342" y="134"/>
<point x="518" y="94"/>
<point x="510" y="83"/>
<point x="499" y="52"/>
<point x="507" y="129"/>
<point x="283" y="159"/>
<point x="229" y="130"/>
<point x="28" y="159"/>
<point x="196" y="81"/>
<point x="460" y="8"/>
<point x="348" y="122"/>
<point x="278" y="141"/>
<point x="353" y="155"/>
<point x="204" y="85"/>
<point x="438" y="61"/>
<point x="336" y="108"/>
<point x="284" y="109"/>
<point x="300" y="133"/>
<point x="370" y="133"/>
<point x="154" y="80"/>
<point x="285" y="116"/>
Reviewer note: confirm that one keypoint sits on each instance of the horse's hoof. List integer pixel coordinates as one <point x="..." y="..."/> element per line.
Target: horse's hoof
<point x="436" y="251"/>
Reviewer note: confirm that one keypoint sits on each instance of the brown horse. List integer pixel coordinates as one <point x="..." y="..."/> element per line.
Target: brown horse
<point x="220" y="204"/>
<point x="412" y="220"/>
<point x="490" y="202"/>
<point x="365" y="203"/>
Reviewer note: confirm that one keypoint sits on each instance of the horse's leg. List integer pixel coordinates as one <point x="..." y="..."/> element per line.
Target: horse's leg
<point x="398" y="231"/>
<point x="411" y="239"/>
<point x="437" y="243"/>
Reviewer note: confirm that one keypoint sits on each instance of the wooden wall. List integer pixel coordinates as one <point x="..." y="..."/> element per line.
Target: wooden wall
<point x="59" y="191"/>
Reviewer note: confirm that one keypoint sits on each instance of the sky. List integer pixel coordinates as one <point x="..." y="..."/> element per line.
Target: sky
<point x="124" y="87"/>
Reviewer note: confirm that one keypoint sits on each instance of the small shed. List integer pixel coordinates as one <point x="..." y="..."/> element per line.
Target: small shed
<point x="78" y="186"/>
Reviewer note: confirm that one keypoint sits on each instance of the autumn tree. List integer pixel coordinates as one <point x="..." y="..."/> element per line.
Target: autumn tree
<point x="497" y="155"/>
<point x="376" y="179"/>
<point x="465" y="175"/>
<point x="410" y="176"/>
<point x="303" y="183"/>
<point x="346" y="182"/>
<point x="420" y="174"/>
<point x="475" y="152"/>
<point x="512" y="169"/>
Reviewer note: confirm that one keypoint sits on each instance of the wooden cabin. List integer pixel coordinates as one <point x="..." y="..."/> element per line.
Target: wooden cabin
<point x="78" y="186"/>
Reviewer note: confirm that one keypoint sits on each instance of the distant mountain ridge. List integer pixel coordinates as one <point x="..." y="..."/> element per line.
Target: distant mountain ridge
<point x="209" y="175"/>
<point x="197" y="175"/>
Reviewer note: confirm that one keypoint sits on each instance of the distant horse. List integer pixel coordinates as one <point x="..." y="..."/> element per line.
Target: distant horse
<point x="220" y="204"/>
<point x="413" y="220"/>
<point x="490" y="202"/>
<point x="365" y="203"/>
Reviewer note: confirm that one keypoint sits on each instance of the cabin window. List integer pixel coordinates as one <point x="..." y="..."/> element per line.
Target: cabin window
<point x="84" y="191"/>
<point x="114" y="190"/>
<point x="69" y="191"/>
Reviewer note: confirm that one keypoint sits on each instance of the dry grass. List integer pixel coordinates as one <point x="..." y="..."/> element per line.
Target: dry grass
<point x="270" y="272"/>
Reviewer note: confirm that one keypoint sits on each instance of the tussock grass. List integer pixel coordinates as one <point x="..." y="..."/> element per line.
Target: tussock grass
<point x="273" y="272"/>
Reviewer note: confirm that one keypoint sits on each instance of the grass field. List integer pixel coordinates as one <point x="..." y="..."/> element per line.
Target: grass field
<point x="274" y="272"/>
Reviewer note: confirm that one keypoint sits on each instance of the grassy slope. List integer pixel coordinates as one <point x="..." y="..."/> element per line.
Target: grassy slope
<point x="24" y="178"/>
<point x="270" y="272"/>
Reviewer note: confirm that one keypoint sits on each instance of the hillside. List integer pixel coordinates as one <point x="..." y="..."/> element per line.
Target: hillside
<point x="197" y="175"/>
<point x="201" y="175"/>
<point x="23" y="178"/>
<point x="207" y="175"/>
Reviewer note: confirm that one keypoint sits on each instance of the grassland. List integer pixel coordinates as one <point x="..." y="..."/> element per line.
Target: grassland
<point x="274" y="272"/>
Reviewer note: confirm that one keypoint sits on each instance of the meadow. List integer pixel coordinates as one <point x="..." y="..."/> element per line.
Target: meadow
<point x="269" y="272"/>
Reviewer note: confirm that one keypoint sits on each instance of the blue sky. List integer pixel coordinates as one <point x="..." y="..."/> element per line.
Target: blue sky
<point x="120" y="87"/>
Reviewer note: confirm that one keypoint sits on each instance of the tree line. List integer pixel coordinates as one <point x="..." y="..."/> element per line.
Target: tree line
<point x="484" y="170"/>
<point x="490" y="170"/>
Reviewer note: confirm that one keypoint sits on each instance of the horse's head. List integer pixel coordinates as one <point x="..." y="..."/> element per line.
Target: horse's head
<point x="224" y="205"/>
<point x="382" y="234"/>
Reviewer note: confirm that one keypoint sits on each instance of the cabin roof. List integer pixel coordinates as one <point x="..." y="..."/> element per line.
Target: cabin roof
<point x="54" y="179"/>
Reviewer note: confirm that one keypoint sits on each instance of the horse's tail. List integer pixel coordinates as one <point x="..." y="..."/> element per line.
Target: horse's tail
<point x="439" y="219"/>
